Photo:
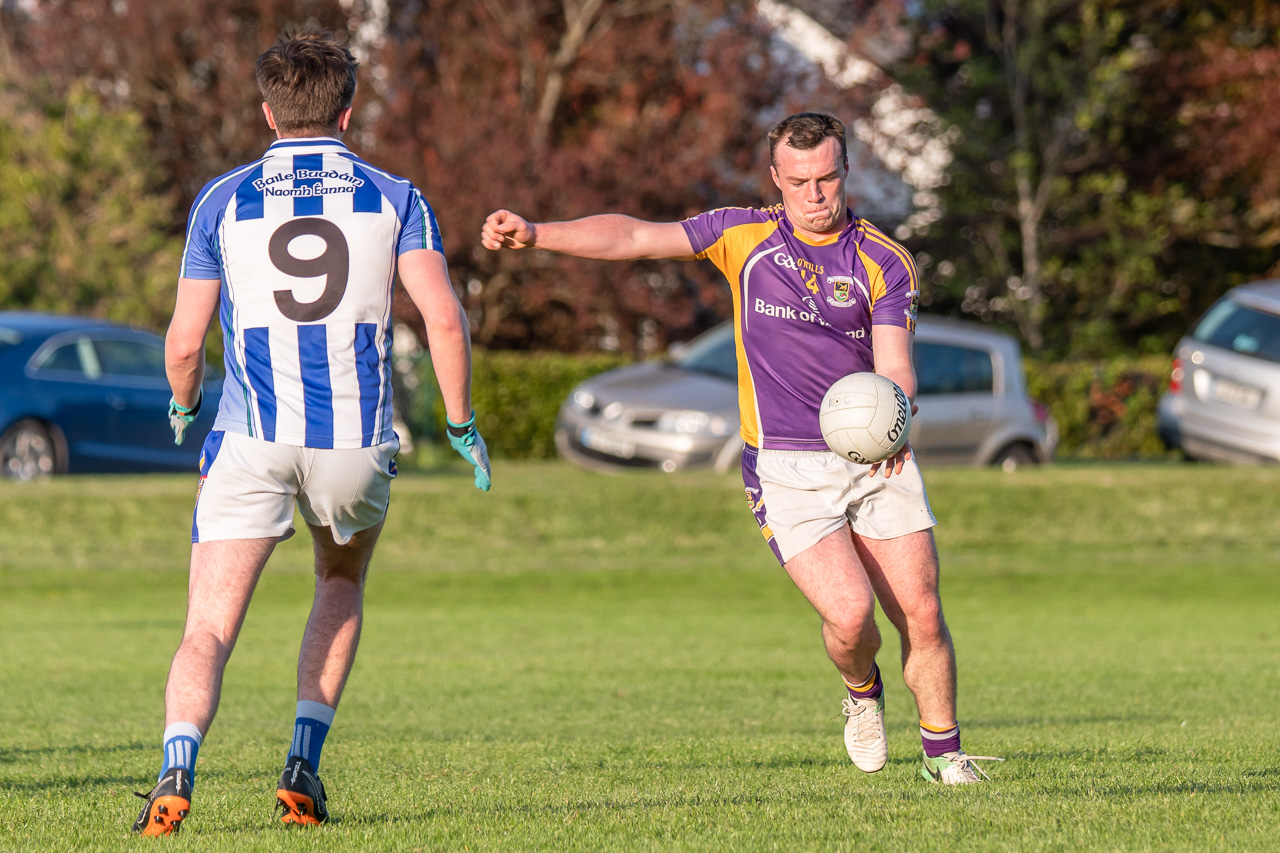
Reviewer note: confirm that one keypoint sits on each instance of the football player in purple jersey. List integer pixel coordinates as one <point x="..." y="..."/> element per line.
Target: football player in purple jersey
<point x="818" y="293"/>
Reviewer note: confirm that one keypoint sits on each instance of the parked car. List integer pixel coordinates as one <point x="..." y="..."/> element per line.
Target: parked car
<point x="1223" y="401"/>
<point x="86" y="396"/>
<point x="683" y="411"/>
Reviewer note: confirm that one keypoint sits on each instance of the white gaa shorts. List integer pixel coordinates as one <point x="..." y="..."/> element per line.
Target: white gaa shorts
<point x="800" y="497"/>
<point x="248" y="487"/>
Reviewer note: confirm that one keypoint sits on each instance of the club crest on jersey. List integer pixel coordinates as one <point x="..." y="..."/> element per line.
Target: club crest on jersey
<point x="841" y="291"/>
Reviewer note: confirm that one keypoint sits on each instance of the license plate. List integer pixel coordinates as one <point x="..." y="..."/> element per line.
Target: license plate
<point x="604" y="443"/>
<point x="1244" y="396"/>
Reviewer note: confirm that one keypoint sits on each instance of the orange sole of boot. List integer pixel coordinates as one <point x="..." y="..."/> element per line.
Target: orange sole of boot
<point x="297" y="808"/>
<point x="167" y="814"/>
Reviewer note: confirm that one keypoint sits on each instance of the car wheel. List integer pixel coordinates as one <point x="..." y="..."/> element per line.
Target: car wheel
<point x="27" y="451"/>
<point x="1013" y="457"/>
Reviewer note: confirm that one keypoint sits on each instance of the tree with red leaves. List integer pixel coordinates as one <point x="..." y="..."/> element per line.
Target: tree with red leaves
<point x="186" y="67"/>
<point x="655" y="109"/>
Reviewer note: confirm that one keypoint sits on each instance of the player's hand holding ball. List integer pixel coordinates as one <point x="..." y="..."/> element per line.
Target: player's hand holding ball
<point x="181" y="417"/>
<point x="467" y="441"/>
<point x="866" y="418"/>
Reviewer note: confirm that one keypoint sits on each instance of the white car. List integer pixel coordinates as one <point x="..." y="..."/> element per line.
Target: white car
<point x="1223" y="401"/>
<point x="683" y="412"/>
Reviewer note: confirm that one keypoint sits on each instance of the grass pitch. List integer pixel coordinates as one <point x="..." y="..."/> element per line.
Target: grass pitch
<point x="577" y="662"/>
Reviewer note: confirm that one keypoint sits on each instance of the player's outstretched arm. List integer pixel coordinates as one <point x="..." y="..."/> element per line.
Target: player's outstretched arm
<point x="426" y="279"/>
<point x="193" y="312"/>
<point x="608" y="237"/>
<point x="891" y="350"/>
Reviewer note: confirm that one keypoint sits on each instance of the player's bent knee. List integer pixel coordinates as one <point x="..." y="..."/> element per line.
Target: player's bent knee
<point x="855" y="630"/>
<point x="208" y="641"/>
<point x="925" y="623"/>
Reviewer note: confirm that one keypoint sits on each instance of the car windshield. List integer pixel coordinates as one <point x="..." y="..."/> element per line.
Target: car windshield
<point x="1245" y="330"/>
<point x="711" y="352"/>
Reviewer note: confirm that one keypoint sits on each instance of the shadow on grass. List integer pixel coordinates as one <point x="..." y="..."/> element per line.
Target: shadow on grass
<point x="78" y="784"/>
<point x="1073" y="720"/>
<point x="10" y="754"/>
<point x="604" y="806"/>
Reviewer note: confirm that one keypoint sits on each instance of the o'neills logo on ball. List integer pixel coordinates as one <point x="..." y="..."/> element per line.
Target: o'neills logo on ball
<point x="854" y="457"/>
<point x="900" y="420"/>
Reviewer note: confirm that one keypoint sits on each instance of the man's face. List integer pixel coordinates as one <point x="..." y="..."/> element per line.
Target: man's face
<point x="812" y="185"/>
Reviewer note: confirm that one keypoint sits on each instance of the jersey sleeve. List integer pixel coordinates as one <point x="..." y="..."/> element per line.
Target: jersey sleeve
<point x="420" y="229"/>
<point x="899" y="297"/>
<point x="200" y="256"/>
<point x="706" y="233"/>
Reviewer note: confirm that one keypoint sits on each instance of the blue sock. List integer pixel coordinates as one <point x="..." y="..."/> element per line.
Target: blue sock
<point x="309" y="731"/>
<point x="181" y="746"/>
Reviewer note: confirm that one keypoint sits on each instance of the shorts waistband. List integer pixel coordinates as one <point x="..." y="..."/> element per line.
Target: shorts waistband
<point x="764" y="451"/>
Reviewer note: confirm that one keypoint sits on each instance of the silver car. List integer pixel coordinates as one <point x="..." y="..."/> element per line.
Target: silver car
<point x="974" y="407"/>
<point x="1223" y="401"/>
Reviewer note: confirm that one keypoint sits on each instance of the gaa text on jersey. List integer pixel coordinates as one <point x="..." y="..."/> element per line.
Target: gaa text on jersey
<point x="782" y="259"/>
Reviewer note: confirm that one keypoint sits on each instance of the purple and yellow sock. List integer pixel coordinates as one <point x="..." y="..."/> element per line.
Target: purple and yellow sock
<point x="872" y="688"/>
<point x="939" y="741"/>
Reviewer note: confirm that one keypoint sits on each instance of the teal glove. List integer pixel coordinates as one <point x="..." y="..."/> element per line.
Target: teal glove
<point x="180" y="417"/>
<point x="464" y="439"/>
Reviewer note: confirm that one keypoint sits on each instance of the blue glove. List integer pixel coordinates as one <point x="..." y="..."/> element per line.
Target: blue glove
<point x="464" y="439"/>
<point x="180" y="417"/>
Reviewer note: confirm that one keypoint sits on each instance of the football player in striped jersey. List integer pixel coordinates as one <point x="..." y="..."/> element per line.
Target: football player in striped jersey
<point x="297" y="254"/>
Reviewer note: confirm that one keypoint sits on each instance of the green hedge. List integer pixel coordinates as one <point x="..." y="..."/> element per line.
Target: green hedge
<point x="1104" y="410"/>
<point x="515" y="395"/>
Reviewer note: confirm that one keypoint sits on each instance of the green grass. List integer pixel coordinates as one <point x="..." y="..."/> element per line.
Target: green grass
<point x="616" y="663"/>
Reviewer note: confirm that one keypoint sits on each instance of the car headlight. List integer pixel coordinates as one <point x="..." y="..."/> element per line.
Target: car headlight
<point x="684" y="421"/>
<point x="584" y="399"/>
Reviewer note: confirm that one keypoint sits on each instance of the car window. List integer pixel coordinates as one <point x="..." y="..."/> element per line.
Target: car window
<point x="1245" y="330"/>
<point x="948" y="369"/>
<point x="9" y="337"/>
<point x="74" y="358"/>
<point x="712" y="353"/>
<point x="130" y="358"/>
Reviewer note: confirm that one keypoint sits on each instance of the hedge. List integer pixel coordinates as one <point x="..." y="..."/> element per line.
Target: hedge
<point x="516" y="396"/>
<point x="1104" y="409"/>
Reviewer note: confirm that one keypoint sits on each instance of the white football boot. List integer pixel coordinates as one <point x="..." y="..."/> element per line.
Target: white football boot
<point x="955" y="768"/>
<point x="864" y="734"/>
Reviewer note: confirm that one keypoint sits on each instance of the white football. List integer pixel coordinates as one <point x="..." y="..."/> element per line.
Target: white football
<point x="865" y="417"/>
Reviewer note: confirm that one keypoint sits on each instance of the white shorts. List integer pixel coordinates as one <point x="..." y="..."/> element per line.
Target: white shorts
<point x="800" y="497"/>
<point x="248" y="488"/>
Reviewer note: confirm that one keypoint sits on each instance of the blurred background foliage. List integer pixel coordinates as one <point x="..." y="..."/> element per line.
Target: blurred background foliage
<point x="1108" y="168"/>
<point x="1113" y="165"/>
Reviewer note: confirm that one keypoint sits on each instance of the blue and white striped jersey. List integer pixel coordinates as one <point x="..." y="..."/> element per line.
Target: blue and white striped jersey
<point x="305" y="241"/>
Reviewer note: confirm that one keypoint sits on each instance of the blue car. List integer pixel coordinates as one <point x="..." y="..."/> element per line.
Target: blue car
<point x="79" y="395"/>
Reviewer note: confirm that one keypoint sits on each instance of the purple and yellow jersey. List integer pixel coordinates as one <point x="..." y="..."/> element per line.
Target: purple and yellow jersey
<point x="802" y="312"/>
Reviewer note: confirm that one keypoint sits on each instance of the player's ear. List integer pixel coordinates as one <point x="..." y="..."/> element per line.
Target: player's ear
<point x="774" y="173"/>
<point x="344" y="120"/>
<point x="266" y="111"/>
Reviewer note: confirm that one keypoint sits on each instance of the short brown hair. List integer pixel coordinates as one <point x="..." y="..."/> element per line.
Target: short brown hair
<point x="307" y="79"/>
<point x="805" y="131"/>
